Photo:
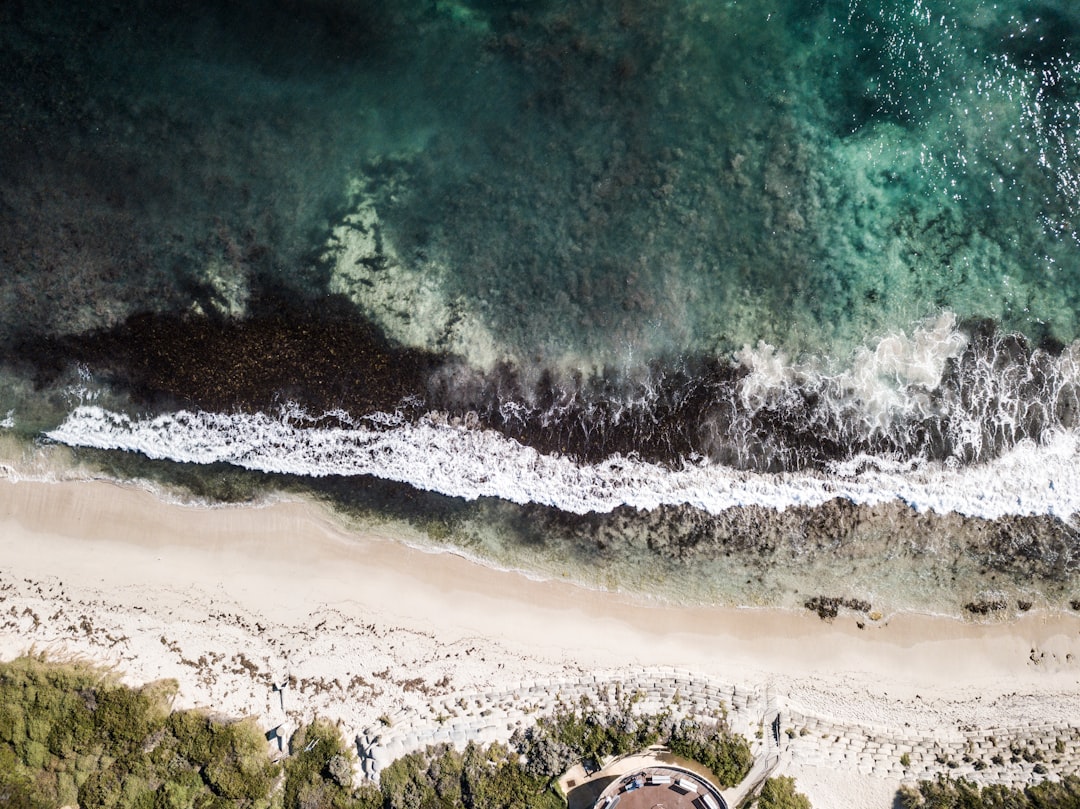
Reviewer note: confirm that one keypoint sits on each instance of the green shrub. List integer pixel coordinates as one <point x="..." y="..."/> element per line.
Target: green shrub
<point x="416" y="780"/>
<point x="583" y="733"/>
<point x="75" y="734"/>
<point x="122" y="716"/>
<point x="12" y="721"/>
<point x="35" y="756"/>
<point x="492" y="778"/>
<point x="1064" y="794"/>
<point x="239" y="768"/>
<point x="101" y="789"/>
<point x="37" y="728"/>
<point x="779" y="793"/>
<point x="726" y="754"/>
<point x="480" y="778"/>
<point x="180" y="791"/>
<point x="193" y="733"/>
<point x="946" y="793"/>
<point x="19" y="792"/>
<point x="318" y="774"/>
<point x="67" y="792"/>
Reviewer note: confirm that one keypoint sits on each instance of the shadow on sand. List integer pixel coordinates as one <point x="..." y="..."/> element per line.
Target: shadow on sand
<point x="586" y="795"/>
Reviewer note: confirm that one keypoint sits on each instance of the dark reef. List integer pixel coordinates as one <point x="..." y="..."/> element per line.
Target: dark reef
<point x="323" y="357"/>
<point x="1041" y="551"/>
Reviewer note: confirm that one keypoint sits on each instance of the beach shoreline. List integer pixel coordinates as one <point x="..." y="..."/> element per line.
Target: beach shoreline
<point x="234" y="600"/>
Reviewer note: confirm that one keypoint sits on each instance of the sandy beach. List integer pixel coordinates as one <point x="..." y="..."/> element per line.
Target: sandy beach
<point x="232" y="601"/>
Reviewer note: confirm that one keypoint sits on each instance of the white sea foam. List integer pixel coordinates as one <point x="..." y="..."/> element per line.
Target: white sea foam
<point x="933" y="393"/>
<point x="471" y="463"/>
<point x="889" y="381"/>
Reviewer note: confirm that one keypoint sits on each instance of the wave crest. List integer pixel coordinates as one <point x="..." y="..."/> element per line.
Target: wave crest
<point x="947" y="393"/>
<point x="459" y="461"/>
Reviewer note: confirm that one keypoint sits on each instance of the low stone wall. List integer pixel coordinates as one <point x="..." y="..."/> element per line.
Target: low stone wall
<point x="1014" y="756"/>
<point x="494" y="716"/>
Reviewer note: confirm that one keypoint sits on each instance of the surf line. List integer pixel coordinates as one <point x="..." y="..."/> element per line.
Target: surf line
<point x="1029" y="479"/>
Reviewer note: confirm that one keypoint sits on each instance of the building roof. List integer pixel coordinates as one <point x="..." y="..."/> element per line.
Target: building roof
<point x="660" y="788"/>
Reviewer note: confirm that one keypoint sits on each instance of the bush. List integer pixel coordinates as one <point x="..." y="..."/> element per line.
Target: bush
<point x="726" y="754"/>
<point x="946" y="793"/>
<point x="493" y="779"/>
<point x="318" y="774"/>
<point x="193" y="735"/>
<point x="18" y="791"/>
<point x="123" y="717"/>
<point x="480" y="778"/>
<point x="102" y="788"/>
<point x="180" y="791"/>
<point x="584" y="734"/>
<point x="779" y="793"/>
<point x="73" y="733"/>
<point x="239" y="768"/>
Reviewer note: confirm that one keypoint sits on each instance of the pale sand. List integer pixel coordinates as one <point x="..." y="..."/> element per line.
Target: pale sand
<point x="261" y="593"/>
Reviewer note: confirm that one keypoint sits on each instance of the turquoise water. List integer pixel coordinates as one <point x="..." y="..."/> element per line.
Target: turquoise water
<point x="590" y="183"/>
<point x="781" y="237"/>
<point x="662" y="178"/>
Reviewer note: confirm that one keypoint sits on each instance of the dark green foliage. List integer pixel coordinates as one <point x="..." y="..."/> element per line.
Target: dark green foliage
<point x="479" y="778"/>
<point x="714" y="745"/>
<point x="239" y="767"/>
<point x="122" y="720"/>
<point x="18" y="791"/>
<point x="585" y="733"/>
<point x="946" y="793"/>
<point x="779" y="793"/>
<point x="421" y="780"/>
<point x="76" y="736"/>
<point x="69" y="734"/>
<point x="493" y="779"/>
<point x="318" y="774"/>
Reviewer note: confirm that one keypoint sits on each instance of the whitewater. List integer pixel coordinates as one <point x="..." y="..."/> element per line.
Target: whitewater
<point x="460" y="461"/>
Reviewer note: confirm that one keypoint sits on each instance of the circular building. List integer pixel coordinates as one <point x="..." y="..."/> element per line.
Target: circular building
<point x="660" y="787"/>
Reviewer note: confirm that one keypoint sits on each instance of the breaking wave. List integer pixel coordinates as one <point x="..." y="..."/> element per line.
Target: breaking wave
<point x="956" y="394"/>
<point x="466" y="461"/>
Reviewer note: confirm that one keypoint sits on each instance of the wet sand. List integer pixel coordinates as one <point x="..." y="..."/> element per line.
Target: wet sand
<point x="228" y="599"/>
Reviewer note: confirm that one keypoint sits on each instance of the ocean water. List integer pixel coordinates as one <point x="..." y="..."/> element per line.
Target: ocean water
<point x="711" y="301"/>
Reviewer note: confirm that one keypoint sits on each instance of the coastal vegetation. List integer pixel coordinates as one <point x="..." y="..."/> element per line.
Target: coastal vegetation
<point x="441" y="777"/>
<point x="948" y="793"/>
<point x="319" y="772"/>
<point x="779" y="793"/>
<point x="525" y="774"/>
<point x="587" y="732"/>
<point x="73" y="734"/>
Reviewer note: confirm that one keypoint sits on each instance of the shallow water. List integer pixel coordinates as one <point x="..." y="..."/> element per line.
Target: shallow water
<point x="584" y="258"/>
